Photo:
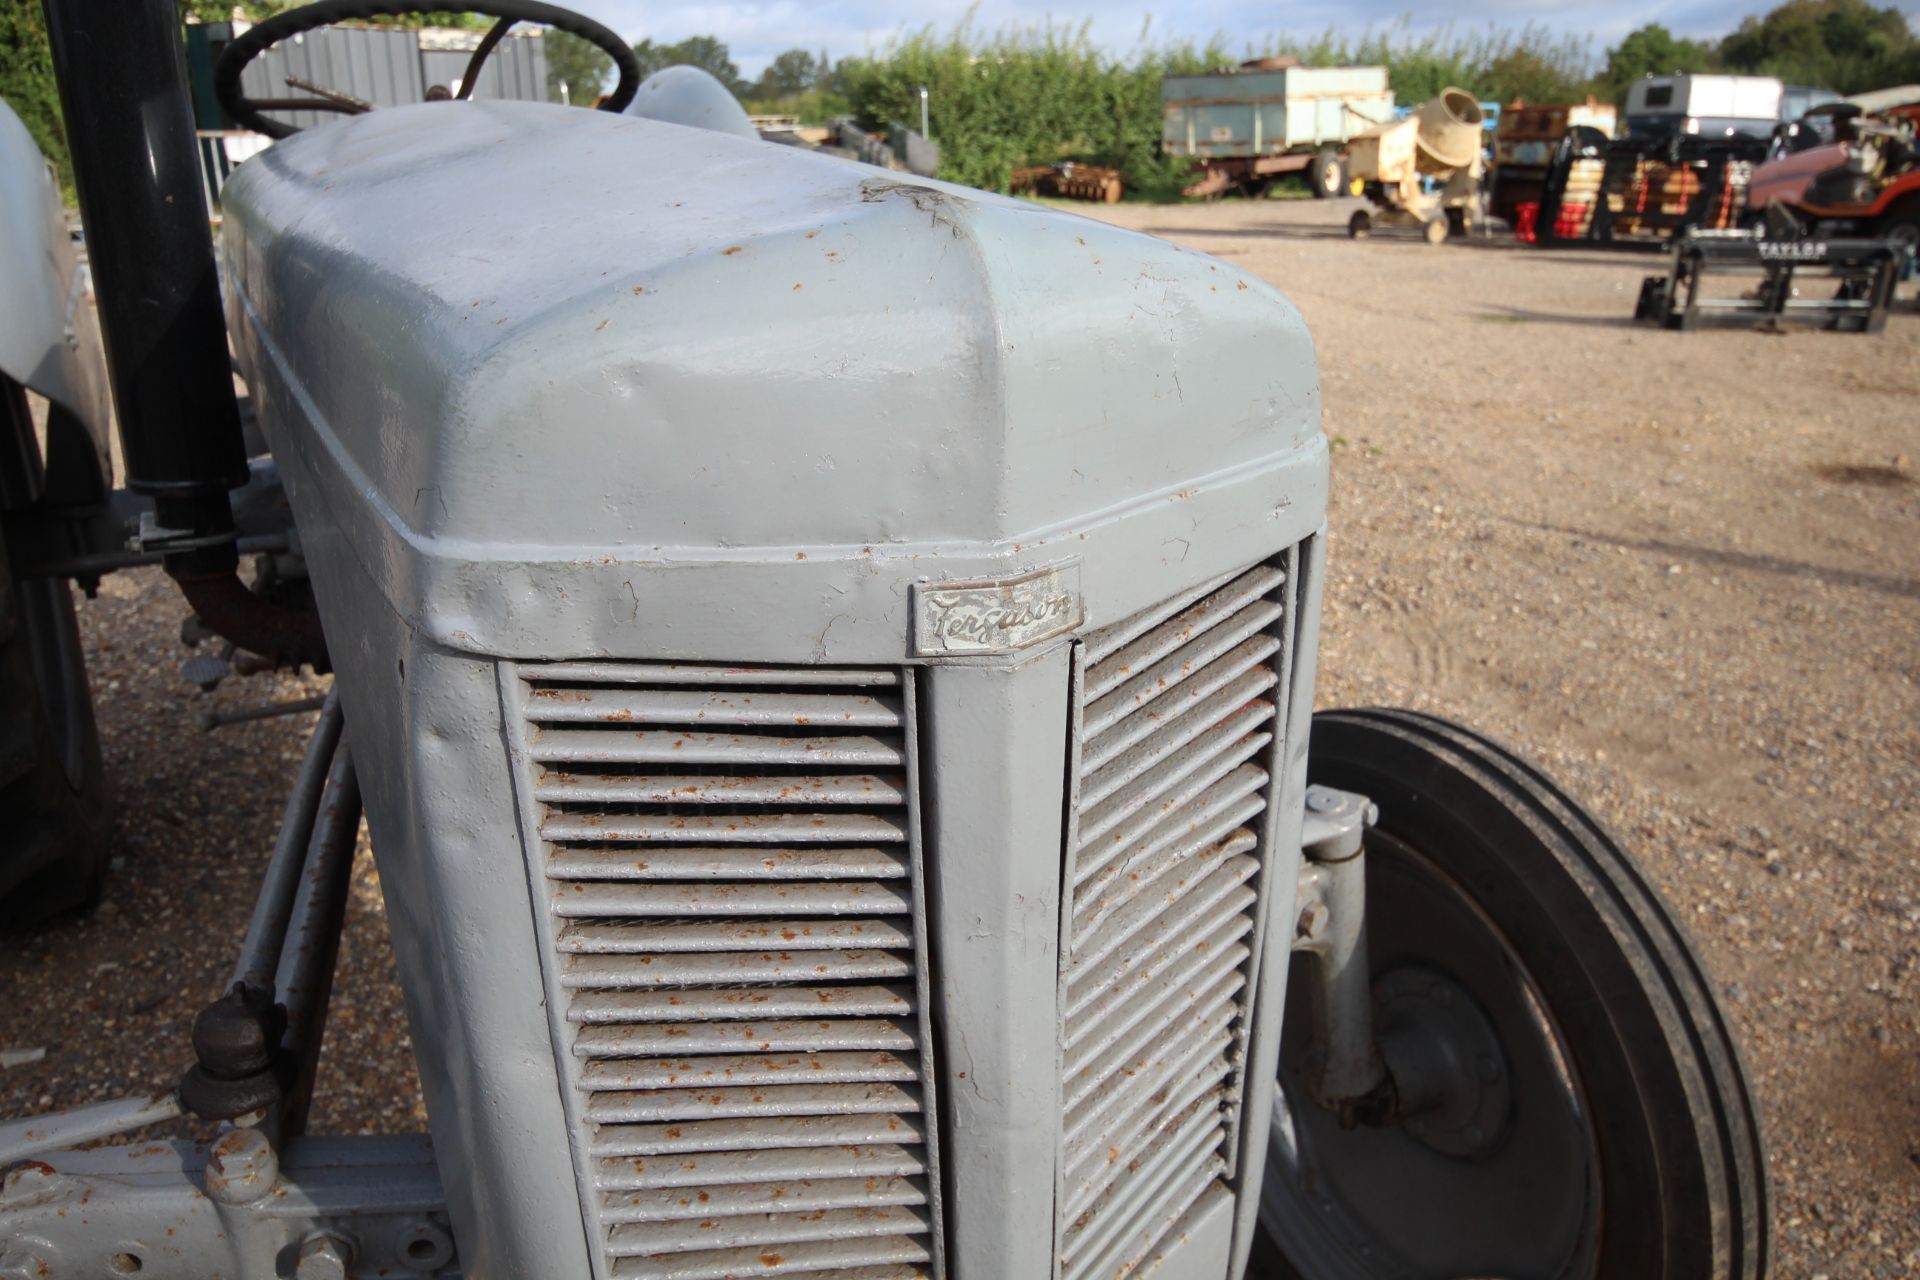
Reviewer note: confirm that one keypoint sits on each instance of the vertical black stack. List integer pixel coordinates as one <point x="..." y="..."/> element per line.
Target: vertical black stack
<point x="130" y="124"/>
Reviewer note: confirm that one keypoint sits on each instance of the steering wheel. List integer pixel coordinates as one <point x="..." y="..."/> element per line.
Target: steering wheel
<point x="247" y="112"/>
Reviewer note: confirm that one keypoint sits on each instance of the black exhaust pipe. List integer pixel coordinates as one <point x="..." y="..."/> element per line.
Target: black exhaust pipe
<point x="123" y="84"/>
<point x="136" y="164"/>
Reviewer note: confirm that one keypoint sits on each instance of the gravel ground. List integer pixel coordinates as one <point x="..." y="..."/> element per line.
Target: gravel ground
<point x="1681" y="571"/>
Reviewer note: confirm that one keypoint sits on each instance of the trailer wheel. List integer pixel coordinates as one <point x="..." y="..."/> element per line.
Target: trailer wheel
<point x="1326" y="174"/>
<point x="1360" y="225"/>
<point x="1612" y="1128"/>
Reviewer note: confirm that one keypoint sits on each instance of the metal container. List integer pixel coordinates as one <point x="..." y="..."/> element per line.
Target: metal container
<point x="1240" y="113"/>
<point x="829" y="660"/>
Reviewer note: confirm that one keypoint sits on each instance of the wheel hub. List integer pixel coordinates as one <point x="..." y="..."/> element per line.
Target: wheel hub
<point x="1449" y="1071"/>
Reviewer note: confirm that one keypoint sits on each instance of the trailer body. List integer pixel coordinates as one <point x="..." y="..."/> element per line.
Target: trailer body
<point x="1243" y="127"/>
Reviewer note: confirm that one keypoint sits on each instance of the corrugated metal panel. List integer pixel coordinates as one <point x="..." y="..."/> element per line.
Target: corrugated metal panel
<point x="730" y="862"/>
<point x="377" y="66"/>
<point x="517" y="69"/>
<point x="389" y="68"/>
<point x="1176" y="715"/>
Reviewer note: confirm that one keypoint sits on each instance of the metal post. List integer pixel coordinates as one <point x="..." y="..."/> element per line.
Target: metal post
<point x="123" y="86"/>
<point x="267" y="931"/>
<point x="37" y="1135"/>
<point x="304" y="979"/>
<point x="925" y="131"/>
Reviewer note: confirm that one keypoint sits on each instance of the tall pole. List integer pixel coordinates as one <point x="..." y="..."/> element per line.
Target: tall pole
<point x="123" y="84"/>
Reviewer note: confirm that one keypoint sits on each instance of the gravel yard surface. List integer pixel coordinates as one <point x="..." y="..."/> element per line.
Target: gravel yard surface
<point x="1682" y="572"/>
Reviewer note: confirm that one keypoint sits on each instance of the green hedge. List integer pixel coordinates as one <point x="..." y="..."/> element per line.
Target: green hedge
<point x="1027" y="96"/>
<point x="1043" y="94"/>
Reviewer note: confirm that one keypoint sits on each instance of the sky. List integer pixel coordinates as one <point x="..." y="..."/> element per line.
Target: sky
<point x="756" y="30"/>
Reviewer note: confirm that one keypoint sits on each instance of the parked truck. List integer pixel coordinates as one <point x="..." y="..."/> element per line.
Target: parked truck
<point x="1247" y="126"/>
<point x="854" y="812"/>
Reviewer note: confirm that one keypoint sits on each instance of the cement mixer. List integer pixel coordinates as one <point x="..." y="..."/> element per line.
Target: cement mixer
<point x="1422" y="170"/>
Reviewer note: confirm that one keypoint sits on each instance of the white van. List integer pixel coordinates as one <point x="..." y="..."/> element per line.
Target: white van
<point x="1712" y="106"/>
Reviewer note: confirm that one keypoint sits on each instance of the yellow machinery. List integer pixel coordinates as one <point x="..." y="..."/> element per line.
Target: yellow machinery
<point x="1422" y="170"/>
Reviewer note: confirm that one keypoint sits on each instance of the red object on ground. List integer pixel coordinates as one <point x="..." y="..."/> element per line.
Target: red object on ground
<point x="1571" y="222"/>
<point x="1526" y="228"/>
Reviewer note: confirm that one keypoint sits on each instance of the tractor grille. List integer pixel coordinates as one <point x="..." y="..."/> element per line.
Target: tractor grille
<point x="731" y="864"/>
<point x="1176" y="719"/>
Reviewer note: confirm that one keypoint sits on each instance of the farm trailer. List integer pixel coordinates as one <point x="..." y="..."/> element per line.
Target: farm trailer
<point x="1246" y="126"/>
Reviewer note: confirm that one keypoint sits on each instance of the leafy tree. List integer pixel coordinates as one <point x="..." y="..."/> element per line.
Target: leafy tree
<point x="1029" y="95"/>
<point x="1651" y="50"/>
<point x="1848" y="45"/>
<point x="788" y="75"/>
<point x="1524" y="75"/>
<point x="27" y="83"/>
<point x="579" y="64"/>
<point x="705" y="52"/>
<point x="1494" y="63"/>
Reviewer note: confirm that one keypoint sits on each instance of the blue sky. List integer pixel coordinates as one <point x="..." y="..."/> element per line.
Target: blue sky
<point x="757" y="29"/>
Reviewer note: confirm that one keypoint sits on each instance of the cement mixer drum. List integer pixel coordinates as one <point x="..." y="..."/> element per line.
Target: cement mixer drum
<point x="1449" y="130"/>
<point x="1439" y="140"/>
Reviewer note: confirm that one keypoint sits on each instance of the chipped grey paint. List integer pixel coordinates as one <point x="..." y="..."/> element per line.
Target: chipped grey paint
<point x="142" y="1209"/>
<point x="746" y="413"/>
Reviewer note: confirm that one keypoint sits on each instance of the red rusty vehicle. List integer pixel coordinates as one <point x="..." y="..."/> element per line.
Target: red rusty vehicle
<point x="1851" y="168"/>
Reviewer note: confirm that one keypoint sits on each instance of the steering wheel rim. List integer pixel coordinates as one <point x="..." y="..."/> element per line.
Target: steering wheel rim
<point x="248" y="114"/>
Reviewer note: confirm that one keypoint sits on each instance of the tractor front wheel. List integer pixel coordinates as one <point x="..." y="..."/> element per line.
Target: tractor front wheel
<point x="1584" y="1110"/>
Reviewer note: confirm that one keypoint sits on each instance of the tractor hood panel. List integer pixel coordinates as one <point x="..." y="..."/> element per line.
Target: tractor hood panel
<point x="521" y="341"/>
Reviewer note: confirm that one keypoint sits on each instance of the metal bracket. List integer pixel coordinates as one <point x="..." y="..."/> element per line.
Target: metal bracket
<point x="1351" y="1078"/>
<point x="323" y="1209"/>
<point x="1335" y="823"/>
<point x="153" y="537"/>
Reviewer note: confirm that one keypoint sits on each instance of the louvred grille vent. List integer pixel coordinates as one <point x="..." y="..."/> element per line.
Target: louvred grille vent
<point x="1177" y="711"/>
<point x="731" y="865"/>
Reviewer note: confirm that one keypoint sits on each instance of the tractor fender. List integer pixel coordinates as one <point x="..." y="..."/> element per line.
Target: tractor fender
<point x="49" y="336"/>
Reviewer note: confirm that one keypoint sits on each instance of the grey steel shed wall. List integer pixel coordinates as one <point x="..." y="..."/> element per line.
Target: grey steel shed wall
<point x="381" y="67"/>
<point x="389" y="69"/>
<point x="517" y="70"/>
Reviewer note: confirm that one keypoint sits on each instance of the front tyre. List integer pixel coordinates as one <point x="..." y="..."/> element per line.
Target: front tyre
<point x="1604" y="1126"/>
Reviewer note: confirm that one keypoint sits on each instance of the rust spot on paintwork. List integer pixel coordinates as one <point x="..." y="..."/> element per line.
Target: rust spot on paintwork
<point x="603" y="324"/>
<point x="639" y="289"/>
<point x="730" y="250"/>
